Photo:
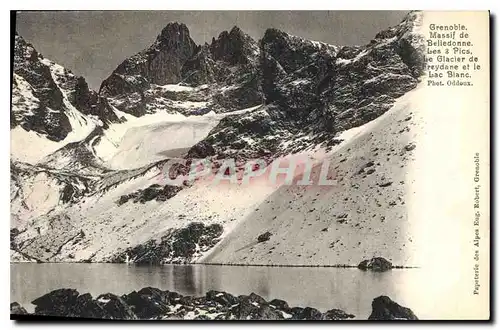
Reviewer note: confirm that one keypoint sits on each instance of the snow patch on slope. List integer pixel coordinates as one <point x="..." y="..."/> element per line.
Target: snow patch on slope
<point x="110" y="142"/>
<point x="145" y="144"/>
<point x="30" y="147"/>
<point x="152" y="137"/>
<point x="38" y="194"/>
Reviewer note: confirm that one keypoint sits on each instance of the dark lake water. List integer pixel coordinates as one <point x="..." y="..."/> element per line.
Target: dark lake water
<point x="351" y="290"/>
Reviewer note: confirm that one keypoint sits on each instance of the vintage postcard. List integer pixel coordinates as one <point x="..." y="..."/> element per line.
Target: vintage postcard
<point x="250" y="165"/>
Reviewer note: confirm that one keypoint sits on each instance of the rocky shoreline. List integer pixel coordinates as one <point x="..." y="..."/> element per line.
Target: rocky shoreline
<point x="154" y="304"/>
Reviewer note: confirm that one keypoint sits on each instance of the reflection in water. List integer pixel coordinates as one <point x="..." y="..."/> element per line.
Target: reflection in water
<point x="351" y="290"/>
<point x="262" y="284"/>
<point x="184" y="279"/>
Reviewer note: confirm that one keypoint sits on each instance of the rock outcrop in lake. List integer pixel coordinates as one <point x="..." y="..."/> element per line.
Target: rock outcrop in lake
<point x="377" y="264"/>
<point x="155" y="304"/>
<point x="384" y="308"/>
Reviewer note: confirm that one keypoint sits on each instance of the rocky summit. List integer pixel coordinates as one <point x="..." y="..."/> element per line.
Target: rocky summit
<point x="47" y="97"/>
<point x="228" y="67"/>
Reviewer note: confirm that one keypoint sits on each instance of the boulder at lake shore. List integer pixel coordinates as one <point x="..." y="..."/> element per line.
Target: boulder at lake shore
<point x="383" y="308"/>
<point x="155" y="304"/>
<point x="377" y="264"/>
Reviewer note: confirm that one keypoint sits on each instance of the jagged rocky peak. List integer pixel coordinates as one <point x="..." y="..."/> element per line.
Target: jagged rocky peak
<point x="293" y="52"/>
<point x="281" y="38"/>
<point x="211" y="63"/>
<point x="292" y="68"/>
<point x="75" y="88"/>
<point x="230" y="61"/>
<point x="83" y="97"/>
<point x="50" y="100"/>
<point x="174" y="34"/>
<point x="42" y="72"/>
<point x="199" y="69"/>
<point x="409" y="25"/>
<point x="160" y="64"/>
<point x="24" y="52"/>
<point x="313" y="89"/>
<point x="234" y="47"/>
<point x="273" y="34"/>
<point x="405" y="39"/>
<point x="28" y="65"/>
<point x="39" y="90"/>
<point x="411" y="45"/>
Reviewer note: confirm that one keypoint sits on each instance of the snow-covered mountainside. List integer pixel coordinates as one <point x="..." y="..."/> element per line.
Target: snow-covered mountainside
<point x="364" y="214"/>
<point x="87" y="167"/>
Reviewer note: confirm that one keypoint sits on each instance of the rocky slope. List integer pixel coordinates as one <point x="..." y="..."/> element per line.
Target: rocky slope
<point x="281" y="96"/>
<point x="364" y="214"/>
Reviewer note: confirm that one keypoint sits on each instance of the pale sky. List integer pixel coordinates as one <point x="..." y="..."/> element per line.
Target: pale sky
<point x="93" y="43"/>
